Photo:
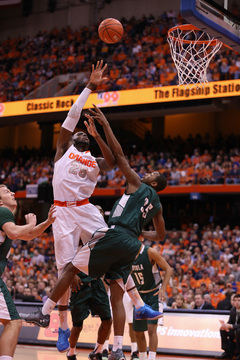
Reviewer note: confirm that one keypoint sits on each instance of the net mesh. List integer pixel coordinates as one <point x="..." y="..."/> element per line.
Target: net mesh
<point x="192" y="51"/>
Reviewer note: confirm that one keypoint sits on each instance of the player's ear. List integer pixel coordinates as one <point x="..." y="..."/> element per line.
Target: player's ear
<point x="154" y="184"/>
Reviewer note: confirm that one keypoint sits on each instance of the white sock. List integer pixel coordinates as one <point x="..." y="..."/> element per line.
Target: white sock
<point x="136" y="298"/>
<point x="142" y="356"/>
<point x="151" y="355"/>
<point x="5" y="357"/>
<point x="63" y="324"/>
<point x="106" y="345"/>
<point x="48" y="307"/>
<point x="71" y="351"/>
<point x="117" y="342"/>
<point x="98" y="348"/>
<point x="134" y="347"/>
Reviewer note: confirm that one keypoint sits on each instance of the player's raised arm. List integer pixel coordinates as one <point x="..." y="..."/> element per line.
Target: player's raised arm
<point x="130" y="175"/>
<point x="108" y="161"/>
<point x="70" y="123"/>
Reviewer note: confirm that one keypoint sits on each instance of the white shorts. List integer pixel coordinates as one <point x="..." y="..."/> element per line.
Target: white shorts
<point x="8" y="309"/>
<point x="128" y="306"/>
<point x="73" y="224"/>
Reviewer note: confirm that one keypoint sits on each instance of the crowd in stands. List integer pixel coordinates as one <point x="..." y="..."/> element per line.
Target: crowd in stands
<point x="196" y="160"/>
<point x="141" y="59"/>
<point x="206" y="265"/>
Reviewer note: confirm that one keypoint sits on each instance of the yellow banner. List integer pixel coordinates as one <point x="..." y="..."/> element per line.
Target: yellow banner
<point x="123" y="98"/>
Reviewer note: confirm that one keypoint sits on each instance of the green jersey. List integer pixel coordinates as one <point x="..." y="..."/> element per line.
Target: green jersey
<point x="5" y="243"/>
<point x="143" y="272"/>
<point x="134" y="211"/>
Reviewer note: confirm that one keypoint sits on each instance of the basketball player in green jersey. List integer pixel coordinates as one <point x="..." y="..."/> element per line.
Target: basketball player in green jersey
<point x="147" y="278"/>
<point x="9" y="231"/>
<point x="132" y="211"/>
<point x="113" y="251"/>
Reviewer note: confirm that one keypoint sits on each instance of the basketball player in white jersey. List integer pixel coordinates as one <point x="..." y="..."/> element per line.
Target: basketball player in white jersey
<point x="74" y="180"/>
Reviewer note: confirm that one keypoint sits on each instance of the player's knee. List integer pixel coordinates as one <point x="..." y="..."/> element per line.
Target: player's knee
<point x="107" y="324"/>
<point x="16" y="325"/>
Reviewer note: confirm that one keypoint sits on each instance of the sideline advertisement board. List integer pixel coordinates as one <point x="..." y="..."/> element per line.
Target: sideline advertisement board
<point x="152" y="95"/>
<point x="193" y="332"/>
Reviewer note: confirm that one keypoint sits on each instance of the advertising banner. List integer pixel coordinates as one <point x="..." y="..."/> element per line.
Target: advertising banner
<point x="123" y="98"/>
<point x="182" y="333"/>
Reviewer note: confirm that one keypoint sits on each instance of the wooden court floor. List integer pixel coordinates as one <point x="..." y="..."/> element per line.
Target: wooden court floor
<point x="24" y="352"/>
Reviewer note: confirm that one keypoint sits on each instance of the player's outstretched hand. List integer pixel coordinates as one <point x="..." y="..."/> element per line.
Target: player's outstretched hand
<point x="97" y="114"/>
<point x="90" y="125"/>
<point x="97" y="73"/>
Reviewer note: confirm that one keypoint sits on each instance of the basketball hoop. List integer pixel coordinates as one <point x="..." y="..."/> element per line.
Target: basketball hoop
<point x="192" y="50"/>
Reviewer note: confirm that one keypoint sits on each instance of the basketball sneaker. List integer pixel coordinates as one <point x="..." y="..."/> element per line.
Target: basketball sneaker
<point x="71" y="357"/>
<point x="63" y="343"/>
<point x="134" y="356"/>
<point x="105" y="354"/>
<point x="145" y="312"/>
<point x="95" y="356"/>
<point x="37" y="318"/>
<point x="117" y="355"/>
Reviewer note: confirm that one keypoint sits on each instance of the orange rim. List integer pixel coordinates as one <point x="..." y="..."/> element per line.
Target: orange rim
<point x="192" y="27"/>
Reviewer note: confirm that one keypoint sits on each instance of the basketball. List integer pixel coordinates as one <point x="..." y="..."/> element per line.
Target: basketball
<point x="110" y="31"/>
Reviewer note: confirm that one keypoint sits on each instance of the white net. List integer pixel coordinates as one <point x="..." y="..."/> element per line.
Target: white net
<point x="192" y="51"/>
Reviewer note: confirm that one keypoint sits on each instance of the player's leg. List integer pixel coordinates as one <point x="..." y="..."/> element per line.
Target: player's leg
<point x="73" y="339"/>
<point x="128" y="306"/>
<point x="63" y="330"/>
<point x="66" y="244"/>
<point x="99" y="305"/>
<point x="142" y="310"/>
<point x="103" y="333"/>
<point x="11" y="321"/>
<point x="139" y="327"/>
<point x="9" y="337"/>
<point x="153" y="341"/>
<point x="117" y="291"/>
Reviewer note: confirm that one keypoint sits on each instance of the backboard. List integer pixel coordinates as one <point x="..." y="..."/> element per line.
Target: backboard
<point x="215" y="17"/>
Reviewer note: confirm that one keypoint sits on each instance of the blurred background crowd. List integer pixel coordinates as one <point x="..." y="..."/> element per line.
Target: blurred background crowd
<point x="196" y="160"/>
<point x="141" y="59"/>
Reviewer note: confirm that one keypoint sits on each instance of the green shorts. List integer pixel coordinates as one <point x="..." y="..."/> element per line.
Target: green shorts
<point x="149" y="299"/>
<point x="92" y="297"/>
<point x="8" y="309"/>
<point x="114" y="254"/>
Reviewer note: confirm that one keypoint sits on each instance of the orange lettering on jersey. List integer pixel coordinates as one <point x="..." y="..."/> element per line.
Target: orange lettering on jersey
<point x="83" y="161"/>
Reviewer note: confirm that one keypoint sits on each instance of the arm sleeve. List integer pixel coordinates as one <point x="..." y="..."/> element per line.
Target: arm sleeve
<point x="74" y="113"/>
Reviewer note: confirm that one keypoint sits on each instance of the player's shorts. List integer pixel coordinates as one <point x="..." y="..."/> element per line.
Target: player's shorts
<point x="92" y="297"/>
<point x="112" y="254"/>
<point x="128" y="306"/>
<point x="72" y="224"/>
<point x="149" y="299"/>
<point x="8" y="309"/>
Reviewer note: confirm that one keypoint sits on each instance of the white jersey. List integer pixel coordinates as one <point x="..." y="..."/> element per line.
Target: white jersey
<point x="75" y="175"/>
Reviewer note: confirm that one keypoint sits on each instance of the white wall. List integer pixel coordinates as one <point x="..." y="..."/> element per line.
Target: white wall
<point x="13" y="24"/>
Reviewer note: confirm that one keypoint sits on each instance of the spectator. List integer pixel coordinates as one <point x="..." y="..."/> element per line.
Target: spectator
<point x="226" y="303"/>
<point x="179" y="303"/>
<point x="172" y="299"/>
<point x="200" y="304"/>
<point x="230" y="331"/>
<point x="216" y="296"/>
